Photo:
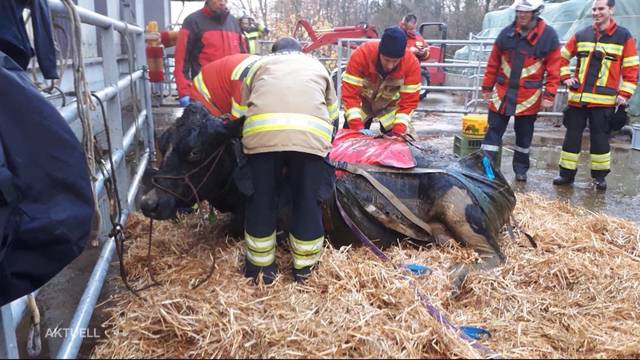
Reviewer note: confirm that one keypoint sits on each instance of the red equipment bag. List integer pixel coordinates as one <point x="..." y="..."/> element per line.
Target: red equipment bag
<point x="353" y="147"/>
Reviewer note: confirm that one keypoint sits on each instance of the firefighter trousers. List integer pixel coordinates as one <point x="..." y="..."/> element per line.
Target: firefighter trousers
<point x="306" y="177"/>
<point x="575" y="120"/>
<point x="523" y="126"/>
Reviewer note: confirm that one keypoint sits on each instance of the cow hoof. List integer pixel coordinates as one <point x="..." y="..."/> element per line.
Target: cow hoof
<point x="458" y="275"/>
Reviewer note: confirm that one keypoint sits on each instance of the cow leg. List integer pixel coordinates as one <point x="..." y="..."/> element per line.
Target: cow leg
<point x="466" y="222"/>
<point x="440" y="233"/>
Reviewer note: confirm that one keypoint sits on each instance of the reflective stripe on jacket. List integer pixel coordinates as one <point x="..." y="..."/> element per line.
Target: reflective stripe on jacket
<point x="251" y="37"/>
<point x="516" y="70"/>
<point x="291" y="105"/>
<point x="365" y="93"/>
<point x="218" y="86"/>
<point x="607" y="65"/>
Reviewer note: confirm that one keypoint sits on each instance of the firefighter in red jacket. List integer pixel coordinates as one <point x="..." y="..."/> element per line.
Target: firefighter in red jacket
<point x="206" y="35"/>
<point x="416" y="44"/>
<point x="606" y="76"/>
<point x="513" y="81"/>
<point x="382" y="81"/>
<point x="219" y="85"/>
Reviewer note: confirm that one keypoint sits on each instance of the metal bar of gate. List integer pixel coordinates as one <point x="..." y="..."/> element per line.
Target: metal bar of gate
<point x="71" y="344"/>
<point x="11" y="314"/>
<point x="92" y="18"/>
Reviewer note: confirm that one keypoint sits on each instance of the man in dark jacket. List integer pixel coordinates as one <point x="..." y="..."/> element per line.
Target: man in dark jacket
<point x="207" y="35"/>
<point x="14" y="41"/>
<point x="46" y="202"/>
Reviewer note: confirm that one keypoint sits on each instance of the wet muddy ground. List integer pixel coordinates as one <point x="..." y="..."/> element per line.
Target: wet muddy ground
<point x="622" y="198"/>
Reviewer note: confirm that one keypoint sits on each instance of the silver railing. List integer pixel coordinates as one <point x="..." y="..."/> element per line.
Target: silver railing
<point x="472" y="91"/>
<point x="123" y="141"/>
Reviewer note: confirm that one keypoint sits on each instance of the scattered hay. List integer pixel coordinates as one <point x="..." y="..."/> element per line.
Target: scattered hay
<point x="575" y="295"/>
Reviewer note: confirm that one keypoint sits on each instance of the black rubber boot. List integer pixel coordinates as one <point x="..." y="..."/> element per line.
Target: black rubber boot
<point x="561" y="180"/>
<point x="253" y="271"/>
<point x="601" y="184"/>
<point x="521" y="177"/>
<point x="301" y="275"/>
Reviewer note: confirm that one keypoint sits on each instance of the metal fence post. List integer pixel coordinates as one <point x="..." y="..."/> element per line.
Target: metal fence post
<point x="8" y="342"/>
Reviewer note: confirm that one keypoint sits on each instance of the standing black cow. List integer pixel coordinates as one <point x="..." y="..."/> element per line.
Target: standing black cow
<point x="201" y="154"/>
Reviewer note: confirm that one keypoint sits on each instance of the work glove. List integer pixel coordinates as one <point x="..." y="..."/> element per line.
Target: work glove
<point x="367" y="132"/>
<point x="356" y="124"/>
<point x="399" y="129"/>
<point x="184" y="101"/>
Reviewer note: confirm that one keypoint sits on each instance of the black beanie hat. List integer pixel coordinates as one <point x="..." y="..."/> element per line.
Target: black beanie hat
<point x="286" y="44"/>
<point x="393" y="43"/>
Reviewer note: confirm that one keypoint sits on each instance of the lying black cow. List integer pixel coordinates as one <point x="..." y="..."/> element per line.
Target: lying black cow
<point x="201" y="155"/>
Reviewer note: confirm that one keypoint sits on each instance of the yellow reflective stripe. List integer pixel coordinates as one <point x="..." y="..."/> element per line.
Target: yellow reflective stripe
<point x="601" y="161"/>
<point x="286" y="121"/>
<point x="565" y="53"/>
<point x="505" y="67"/>
<point x="333" y="111"/>
<point x="497" y="102"/>
<point x="402" y="118"/>
<point x="628" y="87"/>
<point x="306" y="247"/>
<point x="565" y="71"/>
<point x="305" y="253"/>
<point x="300" y="262"/>
<point x="352" y="79"/>
<point x="586" y="46"/>
<point x="238" y="110"/>
<point x="603" y="76"/>
<point x="592" y="98"/>
<point x="529" y="102"/>
<point x="237" y="71"/>
<point x="387" y="119"/>
<point x="260" y="244"/>
<point x="198" y="83"/>
<point x="254" y="69"/>
<point x="409" y="88"/>
<point x="262" y="259"/>
<point x="583" y="69"/>
<point x="569" y="160"/>
<point x="252" y="34"/>
<point x="630" y="61"/>
<point x="611" y="49"/>
<point x="261" y="251"/>
<point x="354" y="113"/>
<point x="530" y="70"/>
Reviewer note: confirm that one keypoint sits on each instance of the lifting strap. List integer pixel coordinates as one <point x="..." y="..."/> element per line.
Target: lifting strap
<point x="397" y="203"/>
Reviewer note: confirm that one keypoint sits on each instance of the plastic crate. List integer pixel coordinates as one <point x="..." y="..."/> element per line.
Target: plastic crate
<point x="635" y="136"/>
<point x="464" y="145"/>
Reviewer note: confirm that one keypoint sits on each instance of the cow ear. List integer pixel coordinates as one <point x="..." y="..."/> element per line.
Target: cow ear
<point x="213" y="129"/>
<point x="149" y="173"/>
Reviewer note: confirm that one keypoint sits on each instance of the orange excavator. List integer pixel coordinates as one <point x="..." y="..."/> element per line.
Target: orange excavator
<point x="324" y="37"/>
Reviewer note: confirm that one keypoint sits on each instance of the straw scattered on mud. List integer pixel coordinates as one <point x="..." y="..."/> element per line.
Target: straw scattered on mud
<point x="577" y="294"/>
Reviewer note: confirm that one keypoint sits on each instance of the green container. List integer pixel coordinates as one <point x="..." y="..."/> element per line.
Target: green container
<point x="463" y="146"/>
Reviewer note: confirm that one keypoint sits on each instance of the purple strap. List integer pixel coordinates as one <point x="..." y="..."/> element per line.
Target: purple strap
<point x="431" y="309"/>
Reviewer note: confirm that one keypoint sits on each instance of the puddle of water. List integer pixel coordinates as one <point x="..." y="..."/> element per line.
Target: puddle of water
<point x="621" y="199"/>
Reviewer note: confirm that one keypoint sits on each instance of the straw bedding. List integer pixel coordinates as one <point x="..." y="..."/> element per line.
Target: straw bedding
<point x="577" y="294"/>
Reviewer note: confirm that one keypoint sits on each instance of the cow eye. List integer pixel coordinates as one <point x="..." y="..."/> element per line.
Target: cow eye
<point x="195" y="155"/>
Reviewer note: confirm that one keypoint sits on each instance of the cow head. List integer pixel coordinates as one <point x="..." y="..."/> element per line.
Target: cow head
<point x="196" y="164"/>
